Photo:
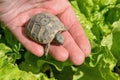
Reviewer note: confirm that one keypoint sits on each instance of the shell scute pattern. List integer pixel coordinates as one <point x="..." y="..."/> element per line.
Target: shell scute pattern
<point x="43" y="27"/>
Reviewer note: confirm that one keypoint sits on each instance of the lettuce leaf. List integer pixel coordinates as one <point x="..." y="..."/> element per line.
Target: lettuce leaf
<point x="8" y="70"/>
<point x="99" y="24"/>
<point x="115" y="49"/>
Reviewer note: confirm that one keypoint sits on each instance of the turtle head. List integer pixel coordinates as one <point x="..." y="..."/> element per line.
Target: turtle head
<point x="59" y="38"/>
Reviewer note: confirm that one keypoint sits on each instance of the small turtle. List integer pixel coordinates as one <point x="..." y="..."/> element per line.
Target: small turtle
<point x="45" y="28"/>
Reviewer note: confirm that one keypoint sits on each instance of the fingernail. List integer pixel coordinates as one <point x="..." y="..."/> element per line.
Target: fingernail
<point x="39" y="52"/>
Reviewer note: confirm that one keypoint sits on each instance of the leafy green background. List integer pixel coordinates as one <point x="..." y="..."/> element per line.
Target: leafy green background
<point x="101" y="22"/>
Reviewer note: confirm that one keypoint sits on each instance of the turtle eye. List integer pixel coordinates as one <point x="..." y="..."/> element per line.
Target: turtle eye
<point x="44" y="21"/>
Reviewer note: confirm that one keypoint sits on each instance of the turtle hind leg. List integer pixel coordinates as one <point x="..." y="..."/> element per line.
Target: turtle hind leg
<point x="47" y="47"/>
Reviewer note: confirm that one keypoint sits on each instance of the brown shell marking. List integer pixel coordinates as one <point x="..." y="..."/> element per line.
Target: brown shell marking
<point x="43" y="27"/>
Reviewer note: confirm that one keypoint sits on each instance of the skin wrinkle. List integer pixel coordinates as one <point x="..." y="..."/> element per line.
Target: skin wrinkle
<point x="11" y="6"/>
<point x="20" y="9"/>
<point x="22" y="6"/>
<point x="9" y="9"/>
<point x="3" y="6"/>
<point x="38" y="1"/>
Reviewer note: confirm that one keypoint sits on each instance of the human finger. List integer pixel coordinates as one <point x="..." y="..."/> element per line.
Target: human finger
<point x="59" y="52"/>
<point x="75" y="29"/>
<point x="30" y="45"/>
<point x="76" y="55"/>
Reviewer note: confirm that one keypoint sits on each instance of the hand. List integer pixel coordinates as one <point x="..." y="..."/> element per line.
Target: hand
<point x="16" y="13"/>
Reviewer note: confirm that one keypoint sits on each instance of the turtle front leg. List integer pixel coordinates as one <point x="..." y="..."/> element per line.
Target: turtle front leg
<point x="47" y="47"/>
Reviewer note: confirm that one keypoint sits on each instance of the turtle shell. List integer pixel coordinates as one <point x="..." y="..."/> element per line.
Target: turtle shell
<point x="43" y="27"/>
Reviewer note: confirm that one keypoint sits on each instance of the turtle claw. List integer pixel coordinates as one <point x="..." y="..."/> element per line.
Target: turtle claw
<point x="47" y="47"/>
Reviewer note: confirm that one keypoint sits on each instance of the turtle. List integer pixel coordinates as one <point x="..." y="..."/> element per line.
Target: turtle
<point x="45" y="28"/>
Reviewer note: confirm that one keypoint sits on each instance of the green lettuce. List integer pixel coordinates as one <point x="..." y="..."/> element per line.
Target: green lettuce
<point x="100" y="20"/>
<point x="102" y="29"/>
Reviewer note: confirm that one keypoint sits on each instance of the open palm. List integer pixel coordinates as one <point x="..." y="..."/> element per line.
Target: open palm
<point x="76" y="46"/>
